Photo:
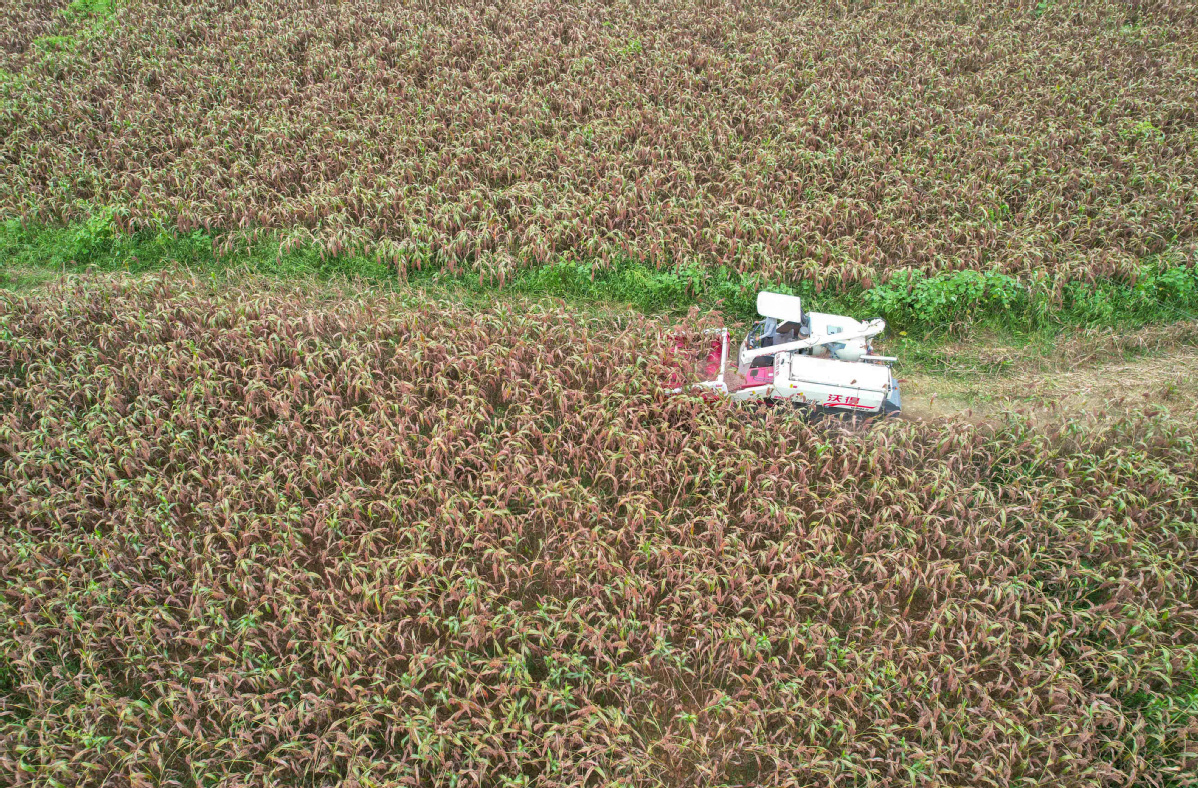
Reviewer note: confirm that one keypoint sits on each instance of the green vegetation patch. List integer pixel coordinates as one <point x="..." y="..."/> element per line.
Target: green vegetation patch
<point x="89" y="9"/>
<point x="1165" y="290"/>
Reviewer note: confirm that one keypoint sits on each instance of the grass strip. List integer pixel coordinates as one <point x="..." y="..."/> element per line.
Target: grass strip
<point x="1166" y="289"/>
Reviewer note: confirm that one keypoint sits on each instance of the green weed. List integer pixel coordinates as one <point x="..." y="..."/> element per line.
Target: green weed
<point x="53" y="43"/>
<point x="83" y="9"/>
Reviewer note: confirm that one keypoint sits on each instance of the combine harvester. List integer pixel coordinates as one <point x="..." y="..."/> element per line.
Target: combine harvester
<point x="822" y="361"/>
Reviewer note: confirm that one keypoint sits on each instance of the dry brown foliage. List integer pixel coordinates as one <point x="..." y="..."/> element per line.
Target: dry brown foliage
<point x="261" y="538"/>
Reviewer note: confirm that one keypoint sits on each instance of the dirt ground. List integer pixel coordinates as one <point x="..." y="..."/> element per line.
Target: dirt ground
<point x="1095" y="372"/>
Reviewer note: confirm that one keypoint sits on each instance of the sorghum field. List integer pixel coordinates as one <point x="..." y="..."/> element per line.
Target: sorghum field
<point x="257" y="536"/>
<point x="834" y="142"/>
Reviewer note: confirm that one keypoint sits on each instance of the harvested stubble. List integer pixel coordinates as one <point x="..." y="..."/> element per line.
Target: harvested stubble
<point x="836" y="142"/>
<point x="260" y="538"/>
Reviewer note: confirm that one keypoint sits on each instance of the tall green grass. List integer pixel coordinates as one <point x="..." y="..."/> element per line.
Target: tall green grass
<point x="1166" y="289"/>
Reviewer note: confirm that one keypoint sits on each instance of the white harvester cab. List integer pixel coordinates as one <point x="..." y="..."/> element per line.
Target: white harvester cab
<point x="810" y="358"/>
